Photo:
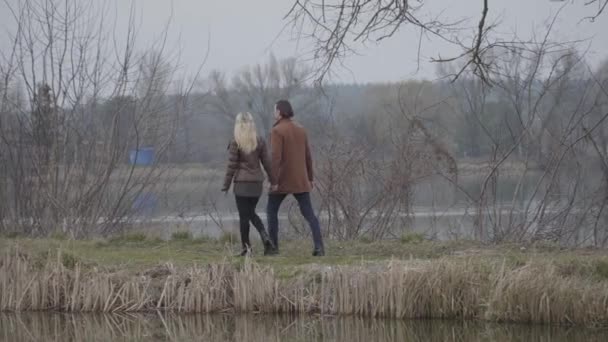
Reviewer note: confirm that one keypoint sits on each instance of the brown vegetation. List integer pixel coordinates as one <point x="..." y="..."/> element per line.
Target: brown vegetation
<point x="457" y="288"/>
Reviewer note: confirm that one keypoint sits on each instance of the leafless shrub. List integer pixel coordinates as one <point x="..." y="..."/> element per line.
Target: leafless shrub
<point x="75" y="100"/>
<point x="537" y="117"/>
<point x="366" y="178"/>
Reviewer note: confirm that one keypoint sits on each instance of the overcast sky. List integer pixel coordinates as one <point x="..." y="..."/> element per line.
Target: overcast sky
<point x="245" y="32"/>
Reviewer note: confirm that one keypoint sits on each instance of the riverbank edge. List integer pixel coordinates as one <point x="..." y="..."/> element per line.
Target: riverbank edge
<point x="465" y="288"/>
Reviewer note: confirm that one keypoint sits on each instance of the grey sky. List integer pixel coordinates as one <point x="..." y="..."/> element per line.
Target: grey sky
<point x="244" y="32"/>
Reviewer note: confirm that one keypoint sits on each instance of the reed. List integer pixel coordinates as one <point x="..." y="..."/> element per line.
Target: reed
<point x="532" y="292"/>
<point x="538" y="293"/>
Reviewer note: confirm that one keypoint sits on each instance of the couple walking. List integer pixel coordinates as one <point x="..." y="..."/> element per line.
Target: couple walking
<point x="289" y="170"/>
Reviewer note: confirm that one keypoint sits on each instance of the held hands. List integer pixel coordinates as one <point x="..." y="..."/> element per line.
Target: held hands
<point x="275" y="187"/>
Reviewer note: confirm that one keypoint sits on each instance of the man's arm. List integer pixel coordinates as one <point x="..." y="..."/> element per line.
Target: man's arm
<point x="309" y="163"/>
<point x="276" y="143"/>
<point x="266" y="161"/>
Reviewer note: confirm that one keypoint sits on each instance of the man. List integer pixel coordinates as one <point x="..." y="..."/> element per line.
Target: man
<point x="291" y="167"/>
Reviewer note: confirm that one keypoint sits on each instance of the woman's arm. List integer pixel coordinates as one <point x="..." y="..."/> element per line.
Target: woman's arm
<point x="233" y="165"/>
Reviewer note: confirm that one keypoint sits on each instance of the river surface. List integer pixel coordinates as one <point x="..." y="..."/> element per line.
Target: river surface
<point x="262" y="328"/>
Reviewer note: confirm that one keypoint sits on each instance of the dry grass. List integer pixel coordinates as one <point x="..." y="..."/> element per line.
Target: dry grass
<point x="463" y="288"/>
<point x="539" y="293"/>
<point x="57" y="287"/>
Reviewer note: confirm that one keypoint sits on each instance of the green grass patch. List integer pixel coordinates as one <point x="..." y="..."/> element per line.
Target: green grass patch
<point x="601" y="268"/>
<point x="365" y="239"/>
<point x="203" y="239"/>
<point x="131" y="237"/>
<point x="59" y="235"/>
<point x="412" y="238"/>
<point x="136" y="251"/>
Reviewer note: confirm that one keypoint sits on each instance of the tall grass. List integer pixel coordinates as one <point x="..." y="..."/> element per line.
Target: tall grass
<point x="450" y="289"/>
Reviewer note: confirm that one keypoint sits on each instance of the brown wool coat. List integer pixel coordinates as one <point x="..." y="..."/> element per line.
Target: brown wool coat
<point x="245" y="167"/>
<point x="291" y="158"/>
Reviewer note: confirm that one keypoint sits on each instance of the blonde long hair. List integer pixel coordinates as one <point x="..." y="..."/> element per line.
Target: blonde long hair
<point x="245" y="133"/>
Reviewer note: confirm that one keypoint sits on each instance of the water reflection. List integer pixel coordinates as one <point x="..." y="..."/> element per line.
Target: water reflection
<point x="225" y="328"/>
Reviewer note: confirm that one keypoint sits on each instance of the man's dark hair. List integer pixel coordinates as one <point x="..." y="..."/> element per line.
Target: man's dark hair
<point x="285" y="109"/>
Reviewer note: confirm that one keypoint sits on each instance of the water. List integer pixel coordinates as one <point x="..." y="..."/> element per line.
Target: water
<point x="455" y="223"/>
<point x="259" y="328"/>
<point x="438" y="211"/>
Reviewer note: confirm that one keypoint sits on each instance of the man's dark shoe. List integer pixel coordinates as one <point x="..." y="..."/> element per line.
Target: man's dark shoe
<point x="268" y="244"/>
<point x="268" y="247"/>
<point x="271" y="251"/>
<point x="318" y="252"/>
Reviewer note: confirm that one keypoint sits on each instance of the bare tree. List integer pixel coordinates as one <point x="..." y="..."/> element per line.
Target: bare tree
<point x="547" y="103"/>
<point x="89" y="99"/>
<point x="336" y="26"/>
<point x="257" y="88"/>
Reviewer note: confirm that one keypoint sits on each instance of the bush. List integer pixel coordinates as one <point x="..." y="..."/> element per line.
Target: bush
<point x="365" y="239"/>
<point x="69" y="260"/>
<point x="601" y="269"/>
<point x="412" y="238"/>
<point x="156" y="241"/>
<point x="181" y="236"/>
<point x="58" y="235"/>
<point x="12" y="235"/>
<point x="131" y="237"/>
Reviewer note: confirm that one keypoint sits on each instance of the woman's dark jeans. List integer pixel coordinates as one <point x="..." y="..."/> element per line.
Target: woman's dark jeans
<point x="246" y="207"/>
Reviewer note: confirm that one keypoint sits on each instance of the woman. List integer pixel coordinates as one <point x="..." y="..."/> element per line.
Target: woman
<point x="247" y="151"/>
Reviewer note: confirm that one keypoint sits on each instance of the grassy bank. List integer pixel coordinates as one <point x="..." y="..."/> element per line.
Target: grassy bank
<point x="411" y="278"/>
<point x="137" y="251"/>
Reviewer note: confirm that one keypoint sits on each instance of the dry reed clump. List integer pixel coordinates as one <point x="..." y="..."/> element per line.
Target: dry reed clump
<point x="440" y="289"/>
<point x="538" y="293"/>
<point x="456" y="289"/>
<point x="56" y="287"/>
